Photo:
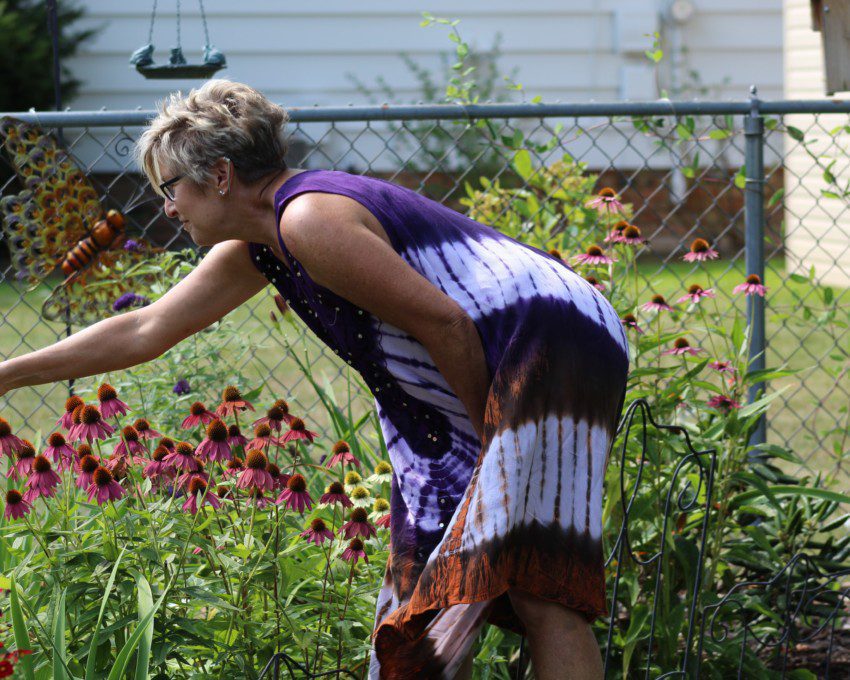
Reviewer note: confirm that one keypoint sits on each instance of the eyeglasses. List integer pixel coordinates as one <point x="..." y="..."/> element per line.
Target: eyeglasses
<point x="165" y="187"/>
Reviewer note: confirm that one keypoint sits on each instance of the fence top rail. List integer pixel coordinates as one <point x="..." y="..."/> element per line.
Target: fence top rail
<point x="458" y="112"/>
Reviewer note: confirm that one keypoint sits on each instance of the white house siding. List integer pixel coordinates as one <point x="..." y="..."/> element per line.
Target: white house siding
<point x="299" y="54"/>
<point x="817" y="229"/>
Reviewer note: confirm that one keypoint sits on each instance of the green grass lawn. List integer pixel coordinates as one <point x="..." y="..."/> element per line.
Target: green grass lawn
<point x="811" y="404"/>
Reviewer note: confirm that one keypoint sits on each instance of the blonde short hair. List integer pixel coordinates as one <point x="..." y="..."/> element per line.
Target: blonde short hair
<point x="221" y="119"/>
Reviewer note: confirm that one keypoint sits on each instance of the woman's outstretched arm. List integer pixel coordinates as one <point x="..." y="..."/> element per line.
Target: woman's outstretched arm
<point x="223" y="280"/>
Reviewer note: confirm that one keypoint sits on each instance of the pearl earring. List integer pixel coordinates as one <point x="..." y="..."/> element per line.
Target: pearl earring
<point x="221" y="191"/>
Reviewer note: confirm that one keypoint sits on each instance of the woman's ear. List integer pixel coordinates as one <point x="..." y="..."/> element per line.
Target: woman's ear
<point x="223" y="174"/>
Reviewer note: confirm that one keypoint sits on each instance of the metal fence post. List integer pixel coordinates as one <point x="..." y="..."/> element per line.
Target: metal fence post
<point x="754" y="245"/>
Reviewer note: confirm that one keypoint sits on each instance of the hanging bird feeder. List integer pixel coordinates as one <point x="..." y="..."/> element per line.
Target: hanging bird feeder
<point x="177" y="66"/>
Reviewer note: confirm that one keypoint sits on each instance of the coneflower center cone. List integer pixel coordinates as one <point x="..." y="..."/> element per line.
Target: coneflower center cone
<point x="217" y="431"/>
<point x="256" y="460"/>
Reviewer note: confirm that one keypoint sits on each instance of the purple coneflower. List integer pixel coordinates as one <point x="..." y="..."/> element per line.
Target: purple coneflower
<point x="16" y="505"/>
<point x="263" y="438"/>
<point x="554" y="252"/>
<point x="157" y="468"/>
<point x="83" y="450"/>
<point x="383" y="521"/>
<point x="279" y="479"/>
<point x="631" y="236"/>
<point x="24" y="458"/>
<point x="681" y="346"/>
<point x="696" y="293"/>
<point x="341" y="453"/>
<point x="255" y="474"/>
<point x="318" y="532"/>
<point x="723" y="403"/>
<point x="198" y="488"/>
<point x="594" y="255"/>
<point x="118" y="466"/>
<point x="258" y="498"/>
<point x="143" y="427"/>
<point x="85" y="471"/>
<point x="129" y="445"/>
<point x="234" y="466"/>
<point x="182" y="458"/>
<point x="110" y="404"/>
<point x="295" y="495"/>
<point x="616" y="233"/>
<point x="593" y="281"/>
<point x="92" y="426"/>
<point x="168" y="443"/>
<point x="752" y="286"/>
<point x="42" y="479"/>
<point x="335" y="493"/>
<point x="354" y="551"/>
<point x="231" y="402"/>
<point x="722" y="366"/>
<point x="629" y="321"/>
<point x="701" y="251"/>
<point x="198" y="414"/>
<point x="215" y="446"/>
<point x="235" y="437"/>
<point x="60" y="451"/>
<point x="358" y="525"/>
<point x="9" y="443"/>
<point x="66" y="421"/>
<point x="181" y="387"/>
<point x="657" y="304"/>
<point x="605" y="201"/>
<point x="297" y="430"/>
<point x="198" y="471"/>
<point x="103" y="487"/>
<point x="275" y="418"/>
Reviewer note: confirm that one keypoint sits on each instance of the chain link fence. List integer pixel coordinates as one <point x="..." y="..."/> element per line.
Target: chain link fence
<point x="765" y="183"/>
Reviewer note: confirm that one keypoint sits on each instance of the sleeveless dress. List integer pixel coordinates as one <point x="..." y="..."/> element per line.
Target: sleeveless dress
<point x="471" y="519"/>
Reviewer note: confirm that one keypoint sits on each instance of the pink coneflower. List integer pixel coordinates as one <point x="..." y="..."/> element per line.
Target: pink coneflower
<point x="752" y="286"/>
<point x="158" y="469"/>
<point x="103" y="487"/>
<point x="297" y="430"/>
<point x="234" y="466"/>
<point x="231" y="402"/>
<point x="86" y="467"/>
<point x="275" y="418"/>
<point x="629" y="321"/>
<point x="554" y="252"/>
<point x="24" y="458"/>
<point x="696" y="293"/>
<point x="118" y="466"/>
<point x="215" y="446"/>
<point x="657" y="304"/>
<point x="16" y="505"/>
<point x="129" y="445"/>
<point x="594" y="255"/>
<point x="182" y="458"/>
<point x="723" y="403"/>
<point x="42" y="479"/>
<point x="631" y="236"/>
<point x="92" y="426"/>
<point x="83" y="450"/>
<point x="593" y="281"/>
<point x="258" y="498"/>
<point x="335" y="493"/>
<point x="605" y="201"/>
<point x="197" y="472"/>
<point x="358" y="525"/>
<point x="383" y="521"/>
<point x="143" y="427"/>
<point x="110" y="404"/>
<point x="701" y="251"/>
<point x="255" y="474"/>
<point x="279" y="479"/>
<point x="168" y="443"/>
<point x="616" y="233"/>
<point x="235" y="437"/>
<point x="198" y="490"/>
<point x="722" y="366"/>
<point x="67" y="419"/>
<point x="198" y="414"/>
<point x="681" y="346"/>
<point x="263" y="438"/>
<point x="318" y="532"/>
<point x="9" y="443"/>
<point x="295" y="495"/>
<point x="354" y="551"/>
<point x="341" y="453"/>
<point x="60" y="451"/>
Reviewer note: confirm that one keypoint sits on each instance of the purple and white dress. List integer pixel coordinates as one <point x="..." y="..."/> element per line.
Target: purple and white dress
<point x="469" y="520"/>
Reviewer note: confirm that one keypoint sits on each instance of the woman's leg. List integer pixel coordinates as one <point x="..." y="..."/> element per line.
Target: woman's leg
<point x="562" y="643"/>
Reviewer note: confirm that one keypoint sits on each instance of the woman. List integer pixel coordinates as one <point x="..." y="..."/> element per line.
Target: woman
<point x="499" y="375"/>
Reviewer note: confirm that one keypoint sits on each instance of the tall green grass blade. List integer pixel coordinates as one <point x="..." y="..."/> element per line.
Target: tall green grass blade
<point x="133" y="641"/>
<point x="145" y="600"/>
<point x="59" y="640"/>
<point x="92" y="657"/>
<point x="22" y="638"/>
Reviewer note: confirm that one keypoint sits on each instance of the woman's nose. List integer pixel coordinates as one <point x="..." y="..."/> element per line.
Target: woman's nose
<point x="169" y="208"/>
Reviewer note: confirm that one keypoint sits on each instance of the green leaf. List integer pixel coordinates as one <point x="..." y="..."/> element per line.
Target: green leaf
<point x="719" y="134"/>
<point x="92" y="657"/>
<point x="829" y="194"/>
<point x="145" y="607"/>
<point x="522" y="164"/>
<point x="776" y="197"/>
<point x="133" y="641"/>
<point x="795" y="133"/>
<point x="784" y="490"/>
<point x="59" y="640"/>
<point x="22" y="638"/>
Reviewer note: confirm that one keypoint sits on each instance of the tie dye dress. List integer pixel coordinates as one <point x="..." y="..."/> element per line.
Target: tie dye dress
<point x="470" y="520"/>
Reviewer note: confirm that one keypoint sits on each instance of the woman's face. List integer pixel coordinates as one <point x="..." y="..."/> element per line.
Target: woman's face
<point x="199" y="208"/>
